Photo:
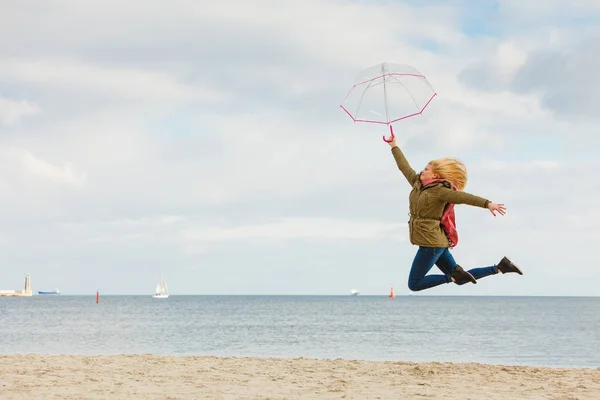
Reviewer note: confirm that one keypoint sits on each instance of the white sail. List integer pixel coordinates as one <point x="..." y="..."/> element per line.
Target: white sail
<point x="161" y="289"/>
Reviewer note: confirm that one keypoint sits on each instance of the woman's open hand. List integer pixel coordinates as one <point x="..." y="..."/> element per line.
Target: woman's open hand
<point x="496" y="207"/>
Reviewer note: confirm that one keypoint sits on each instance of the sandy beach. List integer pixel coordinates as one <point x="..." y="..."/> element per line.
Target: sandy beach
<point x="170" y="377"/>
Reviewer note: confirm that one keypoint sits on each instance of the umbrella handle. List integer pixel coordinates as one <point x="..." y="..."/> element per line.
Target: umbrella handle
<point x="391" y="137"/>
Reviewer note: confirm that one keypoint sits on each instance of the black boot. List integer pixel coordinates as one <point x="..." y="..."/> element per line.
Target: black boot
<point x="505" y="266"/>
<point x="461" y="276"/>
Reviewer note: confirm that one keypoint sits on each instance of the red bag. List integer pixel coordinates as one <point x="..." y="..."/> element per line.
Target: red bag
<point x="448" y="223"/>
<point x="448" y="220"/>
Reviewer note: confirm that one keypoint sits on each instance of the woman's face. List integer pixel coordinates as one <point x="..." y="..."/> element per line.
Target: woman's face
<point x="427" y="173"/>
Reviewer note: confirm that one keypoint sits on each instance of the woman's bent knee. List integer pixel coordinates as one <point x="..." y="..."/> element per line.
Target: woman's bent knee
<point x="413" y="285"/>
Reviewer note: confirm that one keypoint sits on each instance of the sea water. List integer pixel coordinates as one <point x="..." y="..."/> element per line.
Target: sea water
<point x="537" y="331"/>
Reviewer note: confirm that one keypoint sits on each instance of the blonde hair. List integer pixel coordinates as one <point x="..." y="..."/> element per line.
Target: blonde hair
<point x="452" y="170"/>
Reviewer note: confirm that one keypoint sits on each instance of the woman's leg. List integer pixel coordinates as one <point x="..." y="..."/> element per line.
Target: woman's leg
<point x="482" y="272"/>
<point x="447" y="264"/>
<point x="424" y="260"/>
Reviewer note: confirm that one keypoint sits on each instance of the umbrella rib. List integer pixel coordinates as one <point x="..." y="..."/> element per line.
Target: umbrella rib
<point x="407" y="91"/>
<point x="385" y="103"/>
<point x="363" y="95"/>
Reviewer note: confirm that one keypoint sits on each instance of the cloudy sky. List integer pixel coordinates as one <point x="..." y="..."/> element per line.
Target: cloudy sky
<point x="204" y="139"/>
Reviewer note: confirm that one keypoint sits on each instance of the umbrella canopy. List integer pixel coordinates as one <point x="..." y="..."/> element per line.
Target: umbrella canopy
<point x="387" y="93"/>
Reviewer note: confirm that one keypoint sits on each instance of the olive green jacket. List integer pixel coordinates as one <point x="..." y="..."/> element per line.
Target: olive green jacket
<point x="426" y="205"/>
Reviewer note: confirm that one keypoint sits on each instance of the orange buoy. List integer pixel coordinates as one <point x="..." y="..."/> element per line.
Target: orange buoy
<point x="97" y="295"/>
<point x="392" y="295"/>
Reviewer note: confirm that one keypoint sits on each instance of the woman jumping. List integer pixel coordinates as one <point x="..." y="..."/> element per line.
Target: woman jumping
<point x="435" y="191"/>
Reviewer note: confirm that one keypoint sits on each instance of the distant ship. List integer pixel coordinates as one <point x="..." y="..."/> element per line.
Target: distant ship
<point x="354" y="292"/>
<point x="55" y="292"/>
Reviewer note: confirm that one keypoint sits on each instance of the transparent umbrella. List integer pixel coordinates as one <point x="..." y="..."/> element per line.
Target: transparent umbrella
<point x="387" y="93"/>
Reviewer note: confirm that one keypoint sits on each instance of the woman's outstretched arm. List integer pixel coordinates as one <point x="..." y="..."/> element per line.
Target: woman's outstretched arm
<point x="456" y="197"/>
<point x="403" y="165"/>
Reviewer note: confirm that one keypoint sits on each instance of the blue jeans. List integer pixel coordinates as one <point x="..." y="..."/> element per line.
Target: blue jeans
<point x="424" y="260"/>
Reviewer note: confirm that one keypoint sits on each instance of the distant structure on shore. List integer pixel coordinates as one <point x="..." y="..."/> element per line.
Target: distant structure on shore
<point x="19" y="293"/>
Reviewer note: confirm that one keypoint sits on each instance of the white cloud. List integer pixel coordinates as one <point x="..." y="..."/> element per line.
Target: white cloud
<point x="63" y="174"/>
<point x="193" y="230"/>
<point x="11" y="111"/>
<point x="129" y="83"/>
<point x="316" y="229"/>
<point x="558" y="78"/>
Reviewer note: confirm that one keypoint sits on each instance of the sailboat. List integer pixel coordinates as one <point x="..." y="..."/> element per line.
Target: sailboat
<point x="162" y="292"/>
